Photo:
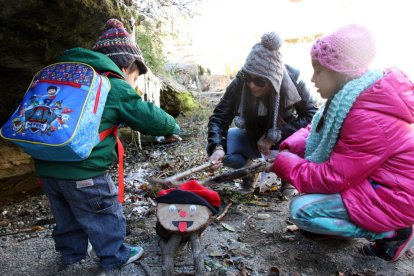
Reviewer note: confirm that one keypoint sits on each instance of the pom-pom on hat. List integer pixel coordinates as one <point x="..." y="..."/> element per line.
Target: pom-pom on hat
<point x="265" y="59"/>
<point x="349" y="50"/>
<point x="191" y="192"/>
<point x="120" y="46"/>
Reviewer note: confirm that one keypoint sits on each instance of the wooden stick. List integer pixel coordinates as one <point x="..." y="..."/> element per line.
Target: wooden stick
<point x="225" y="177"/>
<point x="190" y="171"/>
<point x="168" y="251"/>
<point x="164" y="182"/>
<point x="24" y="230"/>
<point x="239" y="173"/>
<point x="146" y="269"/>
<point x="222" y="215"/>
<point x="198" y="257"/>
<point x="174" y="180"/>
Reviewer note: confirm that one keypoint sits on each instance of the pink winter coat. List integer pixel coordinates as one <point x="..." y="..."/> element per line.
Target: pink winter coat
<point x="376" y="142"/>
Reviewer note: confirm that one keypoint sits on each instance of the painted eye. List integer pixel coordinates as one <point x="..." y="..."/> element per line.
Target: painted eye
<point x="193" y="208"/>
<point x="172" y="208"/>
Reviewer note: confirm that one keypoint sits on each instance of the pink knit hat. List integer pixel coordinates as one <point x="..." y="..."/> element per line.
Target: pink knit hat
<point x="350" y="50"/>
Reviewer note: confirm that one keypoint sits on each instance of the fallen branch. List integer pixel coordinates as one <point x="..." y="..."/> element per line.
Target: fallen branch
<point x="146" y="269"/>
<point x="222" y="215"/>
<point x="168" y="249"/>
<point x="190" y="171"/>
<point x="239" y="173"/>
<point x="198" y="256"/>
<point x="260" y="166"/>
<point x="174" y="180"/>
<point x="24" y="230"/>
<point x="164" y="182"/>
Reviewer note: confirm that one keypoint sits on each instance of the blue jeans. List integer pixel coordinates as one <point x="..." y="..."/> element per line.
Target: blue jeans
<point x="239" y="149"/>
<point x="327" y="214"/>
<point x="83" y="210"/>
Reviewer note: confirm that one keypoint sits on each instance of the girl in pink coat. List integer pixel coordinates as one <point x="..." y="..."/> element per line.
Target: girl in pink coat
<point x="354" y="164"/>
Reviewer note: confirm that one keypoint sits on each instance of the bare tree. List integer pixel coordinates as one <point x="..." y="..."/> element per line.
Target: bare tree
<point x="167" y="10"/>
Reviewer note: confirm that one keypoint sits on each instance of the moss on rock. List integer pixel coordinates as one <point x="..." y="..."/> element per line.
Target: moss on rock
<point x="175" y="102"/>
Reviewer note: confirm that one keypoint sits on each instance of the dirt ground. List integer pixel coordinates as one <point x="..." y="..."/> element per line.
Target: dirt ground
<point x="253" y="237"/>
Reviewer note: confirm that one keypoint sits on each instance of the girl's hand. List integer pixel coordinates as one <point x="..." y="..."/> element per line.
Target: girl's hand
<point x="269" y="167"/>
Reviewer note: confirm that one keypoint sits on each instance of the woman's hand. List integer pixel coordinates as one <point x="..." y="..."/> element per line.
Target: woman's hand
<point x="264" y="144"/>
<point x="216" y="158"/>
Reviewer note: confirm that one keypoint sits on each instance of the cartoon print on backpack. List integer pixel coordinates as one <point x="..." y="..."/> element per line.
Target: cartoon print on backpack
<point x="62" y="109"/>
<point x="44" y="116"/>
<point x="52" y="91"/>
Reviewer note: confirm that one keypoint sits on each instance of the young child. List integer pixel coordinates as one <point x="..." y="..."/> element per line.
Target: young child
<point x="355" y="162"/>
<point x="82" y="195"/>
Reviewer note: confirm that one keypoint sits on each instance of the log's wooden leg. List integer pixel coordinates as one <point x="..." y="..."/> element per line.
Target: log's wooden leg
<point x="198" y="255"/>
<point x="168" y="249"/>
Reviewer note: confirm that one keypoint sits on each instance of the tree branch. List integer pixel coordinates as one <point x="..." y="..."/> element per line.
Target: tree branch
<point x="239" y="173"/>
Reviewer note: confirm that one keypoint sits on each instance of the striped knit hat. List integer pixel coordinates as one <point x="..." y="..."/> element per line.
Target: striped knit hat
<point x="120" y="46"/>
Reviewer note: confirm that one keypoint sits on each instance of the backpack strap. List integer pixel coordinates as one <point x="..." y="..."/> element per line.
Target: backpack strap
<point x="114" y="130"/>
<point x="102" y="135"/>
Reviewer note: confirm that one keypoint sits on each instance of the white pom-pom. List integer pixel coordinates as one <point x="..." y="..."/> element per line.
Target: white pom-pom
<point x="271" y="41"/>
<point x="274" y="135"/>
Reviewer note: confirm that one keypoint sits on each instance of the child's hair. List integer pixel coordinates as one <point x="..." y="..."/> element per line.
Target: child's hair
<point x="120" y="46"/>
<point x="350" y="50"/>
<point x="134" y="66"/>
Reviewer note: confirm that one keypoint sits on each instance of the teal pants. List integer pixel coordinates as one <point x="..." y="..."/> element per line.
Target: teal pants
<point x="326" y="214"/>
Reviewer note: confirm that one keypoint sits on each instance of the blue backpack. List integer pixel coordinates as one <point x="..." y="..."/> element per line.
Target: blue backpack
<point x="59" y="116"/>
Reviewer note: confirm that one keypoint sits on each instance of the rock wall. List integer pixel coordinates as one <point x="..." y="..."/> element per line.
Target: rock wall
<point x="32" y="34"/>
<point x="16" y="172"/>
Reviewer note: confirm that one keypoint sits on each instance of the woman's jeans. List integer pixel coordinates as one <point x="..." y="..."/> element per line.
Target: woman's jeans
<point x="327" y="214"/>
<point x="87" y="209"/>
<point x="239" y="149"/>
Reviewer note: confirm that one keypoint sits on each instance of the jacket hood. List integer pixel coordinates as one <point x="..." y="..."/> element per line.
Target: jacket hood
<point x="393" y="95"/>
<point x="99" y="61"/>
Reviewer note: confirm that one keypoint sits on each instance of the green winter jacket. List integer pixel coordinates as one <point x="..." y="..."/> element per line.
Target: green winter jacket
<point x="123" y="105"/>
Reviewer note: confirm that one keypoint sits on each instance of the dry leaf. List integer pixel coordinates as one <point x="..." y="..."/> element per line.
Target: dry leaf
<point x="228" y="227"/>
<point x="292" y="228"/>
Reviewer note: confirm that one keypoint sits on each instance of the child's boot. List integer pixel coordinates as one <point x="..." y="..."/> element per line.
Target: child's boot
<point x="391" y="249"/>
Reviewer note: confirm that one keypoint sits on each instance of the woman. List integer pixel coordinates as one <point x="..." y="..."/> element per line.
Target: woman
<point x="268" y="103"/>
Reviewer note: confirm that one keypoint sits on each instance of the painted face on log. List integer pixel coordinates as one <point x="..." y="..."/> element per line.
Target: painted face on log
<point x="182" y="217"/>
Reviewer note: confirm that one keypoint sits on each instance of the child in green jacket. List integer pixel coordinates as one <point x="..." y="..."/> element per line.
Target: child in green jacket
<point x="82" y="194"/>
